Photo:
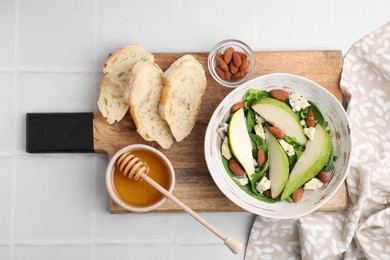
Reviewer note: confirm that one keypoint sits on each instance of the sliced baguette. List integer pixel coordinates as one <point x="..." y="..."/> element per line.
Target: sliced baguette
<point x="143" y="96"/>
<point x="117" y="68"/>
<point x="184" y="84"/>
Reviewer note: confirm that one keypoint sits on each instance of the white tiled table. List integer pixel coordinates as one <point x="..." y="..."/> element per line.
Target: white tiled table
<point x="54" y="206"/>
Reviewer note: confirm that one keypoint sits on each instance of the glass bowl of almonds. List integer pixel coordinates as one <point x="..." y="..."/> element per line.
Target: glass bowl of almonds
<point x="231" y="63"/>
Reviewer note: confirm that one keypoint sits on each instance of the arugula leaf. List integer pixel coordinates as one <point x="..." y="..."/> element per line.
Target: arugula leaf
<point x="318" y="117"/>
<point x="250" y="120"/>
<point x="247" y="188"/>
<point x="303" y="113"/>
<point x="330" y="164"/>
<point x="257" y="142"/>
<point x="298" y="148"/>
<point x="252" y="95"/>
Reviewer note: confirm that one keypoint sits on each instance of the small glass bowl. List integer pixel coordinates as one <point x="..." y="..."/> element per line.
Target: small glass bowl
<point x="238" y="46"/>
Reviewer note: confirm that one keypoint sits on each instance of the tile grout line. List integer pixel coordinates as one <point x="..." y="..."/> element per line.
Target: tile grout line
<point x="256" y="25"/>
<point x="174" y="27"/>
<point x="95" y="158"/>
<point x="50" y="70"/>
<point x="14" y="126"/>
<point x="332" y="22"/>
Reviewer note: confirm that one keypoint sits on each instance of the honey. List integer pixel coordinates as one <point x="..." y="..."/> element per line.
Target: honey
<point x="141" y="193"/>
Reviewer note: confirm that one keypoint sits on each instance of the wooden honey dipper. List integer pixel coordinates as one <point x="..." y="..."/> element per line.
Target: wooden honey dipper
<point x="134" y="168"/>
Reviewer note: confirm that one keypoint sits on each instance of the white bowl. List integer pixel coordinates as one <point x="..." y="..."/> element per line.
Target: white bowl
<point x="110" y="178"/>
<point x="332" y="111"/>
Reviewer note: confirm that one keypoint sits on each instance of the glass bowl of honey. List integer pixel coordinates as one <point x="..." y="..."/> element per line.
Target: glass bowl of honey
<point x="140" y="196"/>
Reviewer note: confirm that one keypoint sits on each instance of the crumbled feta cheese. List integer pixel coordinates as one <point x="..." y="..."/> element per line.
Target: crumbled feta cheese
<point x="288" y="148"/>
<point x="242" y="180"/>
<point x="222" y="130"/>
<point x="303" y="122"/>
<point x="297" y="101"/>
<point x="313" y="184"/>
<point x="259" y="130"/>
<point x="259" y="119"/>
<point x="264" y="184"/>
<point x="226" y="149"/>
<point x="309" y="132"/>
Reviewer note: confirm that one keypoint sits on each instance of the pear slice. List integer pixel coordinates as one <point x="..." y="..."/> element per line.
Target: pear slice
<point x="278" y="165"/>
<point x="280" y="115"/>
<point x="311" y="162"/>
<point x="240" y="142"/>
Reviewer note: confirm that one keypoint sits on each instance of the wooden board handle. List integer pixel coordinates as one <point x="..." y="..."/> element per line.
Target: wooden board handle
<point x="59" y="133"/>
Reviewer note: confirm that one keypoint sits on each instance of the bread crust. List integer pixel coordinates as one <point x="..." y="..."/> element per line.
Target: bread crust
<point x="117" y="68"/>
<point x="142" y="94"/>
<point x="173" y="95"/>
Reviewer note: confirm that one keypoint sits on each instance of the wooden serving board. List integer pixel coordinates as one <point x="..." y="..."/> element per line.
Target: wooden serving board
<point x="194" y="184"/>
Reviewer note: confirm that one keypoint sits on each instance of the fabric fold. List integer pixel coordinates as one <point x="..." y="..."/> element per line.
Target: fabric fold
<point x="362" y="231"/>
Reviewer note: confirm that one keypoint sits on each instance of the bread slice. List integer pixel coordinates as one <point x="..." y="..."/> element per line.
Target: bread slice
<point x="184" y="84"/>
<point x="143" y="96"/>
<point x="117" y="68"/>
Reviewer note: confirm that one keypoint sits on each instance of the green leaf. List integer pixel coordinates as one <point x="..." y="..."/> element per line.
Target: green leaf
<point x="252" y="95"/>
<point x="250" y="119"/>
<point x="247" y="188"/>
<point x="318" y="117"/>
<point x="330" y="164"/>
<point x="303" y="113"/>
<point x="298" y="148"/>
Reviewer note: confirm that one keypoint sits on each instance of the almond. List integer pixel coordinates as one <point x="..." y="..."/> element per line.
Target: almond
<point x="323" y="177"/>
<point x="260" y="157"/>
<point x="310" y="119"/>
<point x="233" y="69"/>
<point x="279" y="94"/>
<point x="220" y="72"/>
<point x="242" y="55"/>
<point x="267" y="193"/>
<point x="228" y="75"/>
<point x="236" y="107"/>
<point x="239" y="75"/>
<point x="236" y="168"/>
<point x="228" y="54"/>
<point x="276" y="132"/>
<point x="237" y="59"/>
<point x="221" y="63"/>
<point x="297" y="195"/>
<point x="244" y="65"/>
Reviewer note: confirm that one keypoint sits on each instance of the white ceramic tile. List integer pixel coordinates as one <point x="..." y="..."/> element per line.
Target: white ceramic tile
<point x="133" y="227"/>
<point x="58" y="252"/>
<point x="7" y="99"/>
<point x="353" y="21"/>
<point x="200" y="24"/>
<point x="5" y="198"/>
<point x="144" y="252"/>
<point x="58" y="92"/>
<point x="54" y="92"/>
<point x="7" y="32"/>
<point x="234" y="224"/>
<point x="5" y="253"/>
<point x="294" y="25"/>
<point x="56" y="34"/>
<point x="148" y="23"/>
<point x="196" y="252"/>
<point x="54" y="197"/>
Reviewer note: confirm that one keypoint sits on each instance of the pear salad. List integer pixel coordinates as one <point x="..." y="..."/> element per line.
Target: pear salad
<point x="276" y="145"/>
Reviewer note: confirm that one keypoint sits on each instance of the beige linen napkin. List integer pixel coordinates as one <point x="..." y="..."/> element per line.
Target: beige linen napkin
<point x="362" y="231"/>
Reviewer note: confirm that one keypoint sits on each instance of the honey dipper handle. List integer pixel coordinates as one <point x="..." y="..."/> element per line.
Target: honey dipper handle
<point x="232" y="244"/>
